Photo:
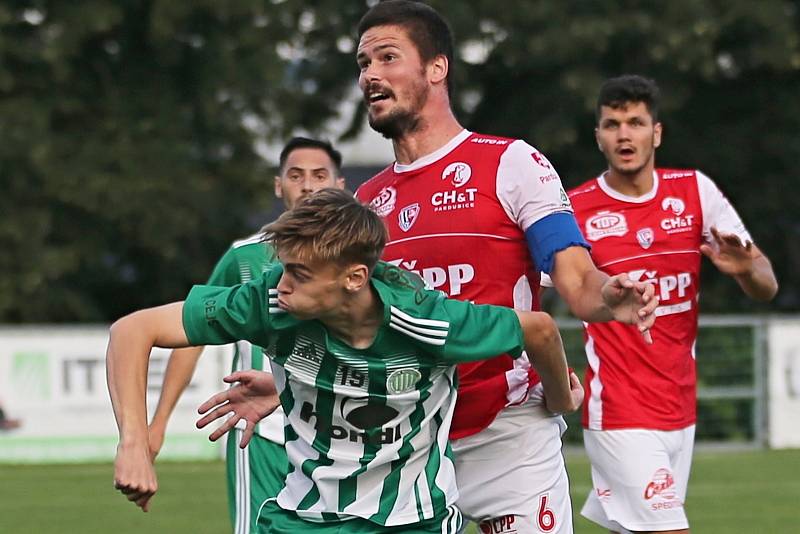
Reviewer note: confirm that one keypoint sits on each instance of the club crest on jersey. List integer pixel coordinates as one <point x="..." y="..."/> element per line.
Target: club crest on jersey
<point x="458" y="173"/>
<point x="675" y="205"/>
<point x="645" y="236"/>
<point x="605" y="224"/>
<point x="402" y="381"/>
<point x="383" y="204"/>
<point x="407" y="217"/>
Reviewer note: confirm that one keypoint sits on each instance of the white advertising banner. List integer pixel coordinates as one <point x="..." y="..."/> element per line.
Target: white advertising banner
<point x="784" y="383"/>
<point x="53" y="379"/>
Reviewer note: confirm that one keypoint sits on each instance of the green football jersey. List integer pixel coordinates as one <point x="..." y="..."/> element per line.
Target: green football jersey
<point x="246" y="260"/>
<point x="367" y="428"/>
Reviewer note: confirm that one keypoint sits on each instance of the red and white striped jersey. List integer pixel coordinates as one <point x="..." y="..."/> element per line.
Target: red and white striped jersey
<point x="654" y="238"/>
<point x="458" y="218"/>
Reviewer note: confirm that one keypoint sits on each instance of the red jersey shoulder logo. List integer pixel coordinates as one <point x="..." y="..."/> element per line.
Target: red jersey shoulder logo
<point x="407" y="217"/>
<point x="458" y="173"/>
<point x="383" y="204"/>
<point x="605" y="224"/>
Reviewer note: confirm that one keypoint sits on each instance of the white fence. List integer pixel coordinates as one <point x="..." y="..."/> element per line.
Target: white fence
<point x="53" y="379"/>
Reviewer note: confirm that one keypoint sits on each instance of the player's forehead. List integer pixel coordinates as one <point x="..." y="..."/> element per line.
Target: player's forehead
<point x="379" y="38"/>
<point x="624" y="110"/>
<point x="308" y="159"/>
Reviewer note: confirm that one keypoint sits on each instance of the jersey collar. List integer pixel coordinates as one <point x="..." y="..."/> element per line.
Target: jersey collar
<point x="616" y="195"/>
<point x="435" y="155"/>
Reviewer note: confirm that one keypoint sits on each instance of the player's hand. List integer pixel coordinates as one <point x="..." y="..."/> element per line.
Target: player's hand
<point x="134" y="475"/>
<point x="155" y="439"/>
<point x="729" y="254"/>
<point x="631" y="302"/>
<point x="251" y="399"/>
<point x="573" y="402"/>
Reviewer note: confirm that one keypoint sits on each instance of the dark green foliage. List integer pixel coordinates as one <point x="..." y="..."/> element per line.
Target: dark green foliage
<point x="127" y="128"/>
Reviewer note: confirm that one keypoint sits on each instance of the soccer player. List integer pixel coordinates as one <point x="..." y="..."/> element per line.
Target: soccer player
<point x="364" y="359"/>
<point x="479" y="216"/>
<point x="655" y="225"/>
<point x="255" y="473"/>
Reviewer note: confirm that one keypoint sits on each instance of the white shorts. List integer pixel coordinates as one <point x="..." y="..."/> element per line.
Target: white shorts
<point x="639" y="478"/>
<point x="511" y="476"/>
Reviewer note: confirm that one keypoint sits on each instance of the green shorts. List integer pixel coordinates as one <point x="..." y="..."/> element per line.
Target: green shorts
<point x="273" y="520"/>
<point x="255" y="474"/>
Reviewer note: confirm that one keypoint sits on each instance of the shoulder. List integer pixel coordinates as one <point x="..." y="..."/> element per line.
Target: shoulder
<point x="584" y="189"/>
<point x="371" y="187"/>
<point x="251" y="240"/>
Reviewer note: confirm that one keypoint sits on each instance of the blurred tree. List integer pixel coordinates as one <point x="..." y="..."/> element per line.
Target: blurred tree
<point x="127" y="128"/>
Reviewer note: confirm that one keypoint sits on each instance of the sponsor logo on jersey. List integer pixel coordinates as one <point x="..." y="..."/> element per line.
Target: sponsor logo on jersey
<point x="670" y="286"/>
<point x="645" y="237"/>
<point x="662" y="485"/>
<point x="457" y="275"/>
<point x="540" y="160"/>
<point x="454" y="199"/>
<point x="384" y="203"/>
<point x="565" y="202"/>
<point x="402" y="381"/>
<point x="407" y="217"/>
<point x="675" y="205"/>
<point x="605" y="224"/>
<point x="499" y="525"/>
<point x="367" y="420"/>
<point x="677" y="174"/>
<point x="487" y="141"/>
<point x="458" y="173"/>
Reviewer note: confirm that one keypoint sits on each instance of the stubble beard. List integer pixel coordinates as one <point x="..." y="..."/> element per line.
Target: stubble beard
<point x="402" y="121"/>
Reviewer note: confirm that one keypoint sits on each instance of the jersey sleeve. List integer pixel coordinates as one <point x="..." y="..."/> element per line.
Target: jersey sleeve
<point x="214" y="315"/>
<point x="531" y="193"/>
<point x="478" y="332"/>
<point x="226" y="271"/>
<point x="718" y="211"/>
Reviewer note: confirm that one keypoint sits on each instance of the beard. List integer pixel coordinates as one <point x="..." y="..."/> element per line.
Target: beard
<point x="401" y="121"/>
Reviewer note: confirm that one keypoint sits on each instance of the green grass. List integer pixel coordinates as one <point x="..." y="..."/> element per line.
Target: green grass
<point x="742" y="492"/>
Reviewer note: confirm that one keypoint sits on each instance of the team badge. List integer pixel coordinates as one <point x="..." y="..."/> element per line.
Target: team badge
<point x="402" y="381"/>
<point x="383" y="204"/>
<point x="645" y="236"/>
<point x="458" y="173"/>
<point x="407" y="217"/>
<point x="675" y="205"/>
<point x="605" y="224"/>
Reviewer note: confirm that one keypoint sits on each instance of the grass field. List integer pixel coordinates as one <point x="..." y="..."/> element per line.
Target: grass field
<point x="743" y="492"/>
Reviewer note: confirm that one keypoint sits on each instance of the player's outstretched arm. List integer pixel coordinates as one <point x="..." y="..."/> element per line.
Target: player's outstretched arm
<point x="252" y="399"/>
<point x="180" y="369"/>
<point x="562" y="389"/>
<point x="595" y="297"/>
<point x="130" y="341"/>
<point x="745" y="262"/>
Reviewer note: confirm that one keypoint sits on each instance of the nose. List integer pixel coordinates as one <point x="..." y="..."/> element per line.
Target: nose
<point x="307" y="186"/>
<point x="624" y="131"/>
<point x="284" y="287"/>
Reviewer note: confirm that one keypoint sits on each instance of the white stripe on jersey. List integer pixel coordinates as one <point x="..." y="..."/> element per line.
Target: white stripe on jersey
<point x="273" y="302"/>
<point x="668" y="253"/>
<point x="423" y="322"/>
<point x="418" y="329"/>
<point x="427" y="236"/>
<point x="242" y="488"/>
<point x="409" y="333"/>
<point x="595" y="403"/>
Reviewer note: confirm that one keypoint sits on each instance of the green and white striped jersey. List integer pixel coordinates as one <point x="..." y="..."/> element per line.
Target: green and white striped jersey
<point x="246" y="260"/>
<point x="367" y="428"/>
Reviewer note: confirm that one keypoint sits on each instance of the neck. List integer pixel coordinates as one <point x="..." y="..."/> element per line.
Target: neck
<point x="436" y="129"/>
<point x="357" y="321"/>
<point x="632" y="185"/>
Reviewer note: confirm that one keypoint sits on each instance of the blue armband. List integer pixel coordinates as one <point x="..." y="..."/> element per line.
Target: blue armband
<point x="552" y="234"/>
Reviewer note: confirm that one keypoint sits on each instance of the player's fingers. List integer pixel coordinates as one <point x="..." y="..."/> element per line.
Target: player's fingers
<point x="247" y="434"/>
<point x="715" y="234"/>
<point x="235" y="376"/>
<point x="216" y="400"/>
<point x="707" y="251"/>
<point x="648" y="338"/>
<point x="215" y="414"/>
<point x="228" y="424"/>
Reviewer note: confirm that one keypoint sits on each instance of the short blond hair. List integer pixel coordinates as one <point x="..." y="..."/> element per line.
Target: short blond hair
<point x="329" y="225"/>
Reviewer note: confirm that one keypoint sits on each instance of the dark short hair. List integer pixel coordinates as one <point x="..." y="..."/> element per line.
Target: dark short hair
<point x="622" y="90"/>
<point x="426" y="28"/>
<point x="305" y="142"/>
<point x="329" y="225"/>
